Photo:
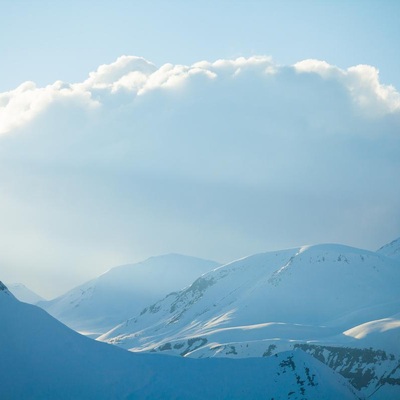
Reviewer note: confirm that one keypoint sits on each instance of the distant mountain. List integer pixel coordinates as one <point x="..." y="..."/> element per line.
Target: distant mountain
<point x="391" y="249"/>
<point x="276" y="301"/>
<point x="42" y="359"/>
<point x="100" y="304"/>
<point x="22" y="293"/>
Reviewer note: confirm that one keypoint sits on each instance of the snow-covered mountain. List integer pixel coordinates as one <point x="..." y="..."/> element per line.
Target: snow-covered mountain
<point x="23" y="293"/>
<point x="391" y="249"/>
<point x="327" y="295"/>
<point x="100" y="304"/>
<point x="309" y="293"/>
<point x="40" y="358"/>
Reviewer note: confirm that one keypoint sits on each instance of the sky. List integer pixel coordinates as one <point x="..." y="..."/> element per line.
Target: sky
<point x="215" y="129"/>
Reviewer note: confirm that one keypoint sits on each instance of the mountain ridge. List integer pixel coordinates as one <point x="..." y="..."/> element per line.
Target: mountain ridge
<point x="23" y="293"/>
<point x="42" y="358"/>
<point x="391" y="249"/>
<point x="269" y="277"/>
<point x="271" y="302"/>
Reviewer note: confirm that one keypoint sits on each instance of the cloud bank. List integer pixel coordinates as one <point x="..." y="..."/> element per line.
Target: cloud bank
<point x="138" y="77"/>
<point x="217" y="159"/>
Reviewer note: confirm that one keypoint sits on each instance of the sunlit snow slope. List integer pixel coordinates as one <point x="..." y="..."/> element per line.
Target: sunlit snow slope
<point x="100" y="304"/>
<point x="42" y="359"/>
<point x="327" y="295"/>
<point x="308" y="293"/>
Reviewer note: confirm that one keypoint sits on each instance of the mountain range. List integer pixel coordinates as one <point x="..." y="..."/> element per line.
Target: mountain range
<point x="40" y="358"/>
<point x="326" y="299"/>
<point x="313" y="322"/>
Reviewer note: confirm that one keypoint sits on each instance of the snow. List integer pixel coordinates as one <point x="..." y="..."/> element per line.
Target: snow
<point x="329" y="296"/>
<point x="391" y="249"/>
<point x="337" y="303"/>
<point x="308" y="293"/>
<point x="100" y="304"/>
<point x="23" y="293"/>
<point x="42" y="358"/>
<point x="383" y="334"/>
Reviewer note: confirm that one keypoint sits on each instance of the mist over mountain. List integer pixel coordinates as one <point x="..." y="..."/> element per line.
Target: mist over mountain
<point x="23" y="293"/>
<point x="98" y="305"/>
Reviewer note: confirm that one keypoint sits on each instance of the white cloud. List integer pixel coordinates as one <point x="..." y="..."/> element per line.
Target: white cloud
<point x="21" y="105"/>
<point x="109" y="74"/>
<point x="319" y="67"/>
<point x="138" y="76"/>
<point x="217" y="159"/>
<point x="362" y="82"/>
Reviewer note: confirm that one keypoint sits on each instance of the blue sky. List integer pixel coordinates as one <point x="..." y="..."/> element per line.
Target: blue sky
<point x="108" y="158"/>
<point x="46" y="41"/>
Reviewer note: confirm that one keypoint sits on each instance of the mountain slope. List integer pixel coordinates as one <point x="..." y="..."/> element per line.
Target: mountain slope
<point x="382" y="334"/>
<point x="326" y="295"/>
<point x="42" y="359"/>
<point x="100" y="304"/>
<point x="23" y="293"/>
<point x="312" y="292"/>
<point x="391" y="249"/>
